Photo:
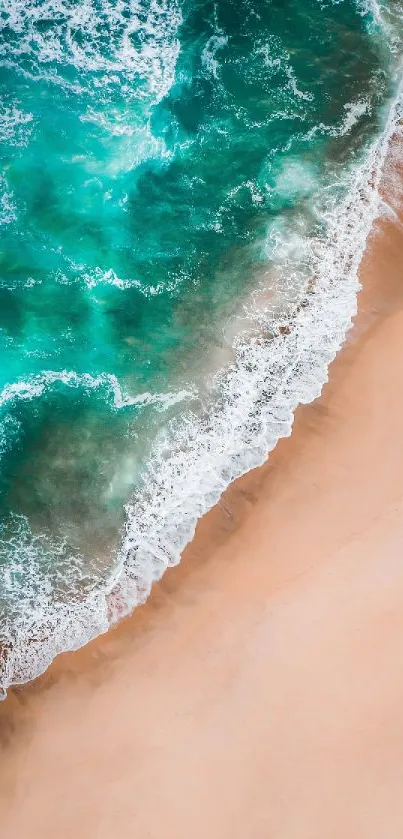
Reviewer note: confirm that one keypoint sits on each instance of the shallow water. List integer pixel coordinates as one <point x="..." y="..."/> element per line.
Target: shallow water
<point x="170" y="177"/>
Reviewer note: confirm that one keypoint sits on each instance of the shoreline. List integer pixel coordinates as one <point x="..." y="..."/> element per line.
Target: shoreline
<point x="264" y="388"/>
<point x="257" y="693"/>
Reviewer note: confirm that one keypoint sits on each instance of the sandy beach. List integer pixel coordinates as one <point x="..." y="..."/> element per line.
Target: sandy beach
<point x="259" y="692"/>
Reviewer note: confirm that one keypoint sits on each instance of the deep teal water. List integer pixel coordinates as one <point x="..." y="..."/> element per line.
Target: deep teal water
<point x="153" y="154"/>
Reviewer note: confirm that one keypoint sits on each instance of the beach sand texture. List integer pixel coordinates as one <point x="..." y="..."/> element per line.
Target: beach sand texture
<point x="259" y="693"/>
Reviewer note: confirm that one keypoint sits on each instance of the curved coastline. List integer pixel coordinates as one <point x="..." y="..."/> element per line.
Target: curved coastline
<point x="258" y="692"/>
<point x="296" y="360"/>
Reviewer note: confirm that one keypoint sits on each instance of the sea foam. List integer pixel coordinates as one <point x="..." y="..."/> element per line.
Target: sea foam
<point x="128" y="42"/>
<point x="37" y="384"/>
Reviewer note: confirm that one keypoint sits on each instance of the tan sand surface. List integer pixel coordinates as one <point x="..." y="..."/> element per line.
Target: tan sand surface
<point x="259" y="693"/>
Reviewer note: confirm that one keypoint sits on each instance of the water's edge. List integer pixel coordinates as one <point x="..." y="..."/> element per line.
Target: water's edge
<point x="259" y="395"/>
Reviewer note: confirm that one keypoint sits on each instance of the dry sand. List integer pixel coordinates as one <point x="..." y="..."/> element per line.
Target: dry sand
<point x="259" y="693"/>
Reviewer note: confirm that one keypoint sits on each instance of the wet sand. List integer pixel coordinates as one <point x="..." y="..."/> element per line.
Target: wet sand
<point x="259" y="693"/>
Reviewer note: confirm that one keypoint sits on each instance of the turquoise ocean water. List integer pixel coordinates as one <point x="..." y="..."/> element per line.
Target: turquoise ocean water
<point x="185" y="194"/>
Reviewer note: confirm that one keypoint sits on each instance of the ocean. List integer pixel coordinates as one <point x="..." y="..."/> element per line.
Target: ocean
<point x="186" y="192"/>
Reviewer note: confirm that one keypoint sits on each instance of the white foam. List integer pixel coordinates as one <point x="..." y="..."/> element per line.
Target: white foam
<point x="293" y="85"/>
<point x="386" y="17"/>
<point x="125" y="41"/>
<point x="281" y="63"/>
<point x="353" y="113"/>
<point x="8" y="208"/>
<point x="15" y="124"/>
<point x="98" y="277"/>
<point x="209" y="53"/>
<point x="37" y="384"/>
